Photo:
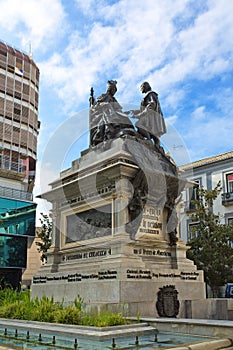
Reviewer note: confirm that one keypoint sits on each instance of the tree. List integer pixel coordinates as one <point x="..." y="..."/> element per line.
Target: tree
<point x="211" y="244"/>
<point x="45" y="234"/>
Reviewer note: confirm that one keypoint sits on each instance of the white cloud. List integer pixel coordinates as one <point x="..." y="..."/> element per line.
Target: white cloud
<point x="210" y="136"/>
<point x="172" y="119"/>
<point x="55" y="154"/>
<point x="224" y="101"/>
<point x="88" y="6"/>
<point x="64" y="137"/>
<point x="125" y="44"/>
<point x="199" y="113"/>
<point x="41" y="186"/>
<point x="32" y="21"/>
<point x="205" y="47"/>
<point x="164" y="42"/>
<point x="172" y="97"/>
<point x="173" y="142"/>
<point x="169" y="43"/>
<point x="133" y="43"/>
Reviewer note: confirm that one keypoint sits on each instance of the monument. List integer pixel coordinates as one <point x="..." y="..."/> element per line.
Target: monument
<point x="115" y="239"/>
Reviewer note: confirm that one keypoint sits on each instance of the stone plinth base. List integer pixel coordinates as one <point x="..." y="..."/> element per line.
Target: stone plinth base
<point x="129" y="275"/>
<point x="114" y="233"/>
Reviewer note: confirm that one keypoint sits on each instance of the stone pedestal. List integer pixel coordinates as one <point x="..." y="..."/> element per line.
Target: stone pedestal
<point x="111" y="246"/>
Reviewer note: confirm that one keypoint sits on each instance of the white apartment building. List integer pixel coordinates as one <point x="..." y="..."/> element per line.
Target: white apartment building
<point x="208" y="172"/>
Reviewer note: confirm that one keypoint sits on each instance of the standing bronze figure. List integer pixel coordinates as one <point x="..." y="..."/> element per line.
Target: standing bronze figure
<point x="150" y="124"/>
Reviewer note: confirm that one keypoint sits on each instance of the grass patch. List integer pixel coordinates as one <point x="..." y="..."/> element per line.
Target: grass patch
<point x="19" y="305"/>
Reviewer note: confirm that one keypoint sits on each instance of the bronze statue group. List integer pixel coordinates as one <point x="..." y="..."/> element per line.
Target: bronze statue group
<point x="108" y="121"/>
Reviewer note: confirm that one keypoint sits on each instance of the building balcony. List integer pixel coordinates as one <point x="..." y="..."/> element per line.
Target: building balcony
<point x="12" y="193"/>
<point x="189" y="207"/>
<point x="227" y="198"/>
<point x="11" y="174"/>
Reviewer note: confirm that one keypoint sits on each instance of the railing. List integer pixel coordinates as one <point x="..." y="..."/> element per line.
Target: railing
<point x="227" y="198"/>
<point x="189" y="206"/>
<point x="16" y="194"/>
<point x="13" y="47"/>
<point x="8" y="165"/>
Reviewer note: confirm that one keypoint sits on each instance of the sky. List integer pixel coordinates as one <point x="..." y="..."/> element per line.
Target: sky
<point x="183" y="48"/>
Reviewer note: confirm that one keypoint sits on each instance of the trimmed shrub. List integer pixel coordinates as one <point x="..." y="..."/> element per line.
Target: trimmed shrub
<point x="18" y="305"/>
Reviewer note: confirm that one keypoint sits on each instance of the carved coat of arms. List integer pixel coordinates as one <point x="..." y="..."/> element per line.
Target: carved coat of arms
<point x="167" y="303"/>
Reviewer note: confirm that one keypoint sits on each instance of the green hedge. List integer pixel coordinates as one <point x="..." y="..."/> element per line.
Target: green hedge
<point x="19" y="305"/>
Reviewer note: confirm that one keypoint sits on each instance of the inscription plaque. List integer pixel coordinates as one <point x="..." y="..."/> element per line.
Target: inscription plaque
<point x="151" y="221"/>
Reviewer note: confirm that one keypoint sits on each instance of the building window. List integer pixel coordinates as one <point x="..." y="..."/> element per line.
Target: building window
<point x="194" y="195"/>
<point x="230" y="221"/>
<point x="192" y="230"/>
<point x="17" y="217"/>
<point x="19" y="63"/>
<point x="229" y="178"/>
<point x="17" y="111"/>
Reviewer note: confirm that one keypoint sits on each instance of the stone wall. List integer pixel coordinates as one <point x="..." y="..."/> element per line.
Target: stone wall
<point x="212" y="309"/>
